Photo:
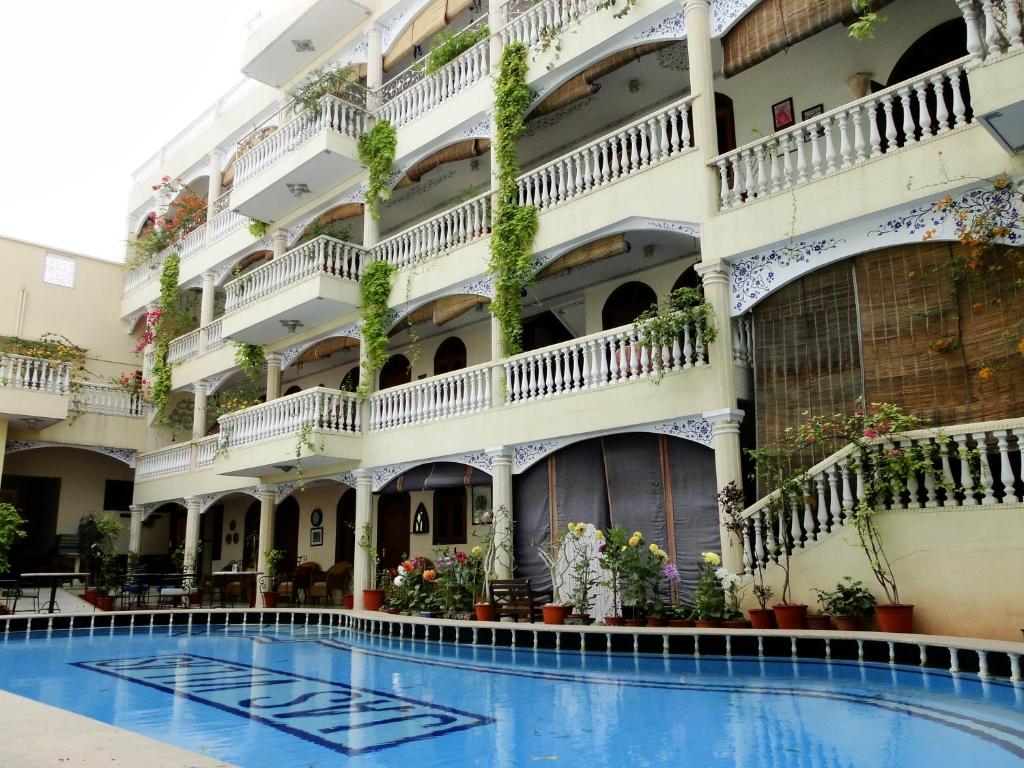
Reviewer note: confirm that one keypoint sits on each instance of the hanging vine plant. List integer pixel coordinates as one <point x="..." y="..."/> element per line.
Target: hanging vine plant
<point x="514" y="225"/>
<point x="167" y="324"/>
<point x="377" y="151"/>
<point x="250" y="358"/>
<point x="375" y="287"/>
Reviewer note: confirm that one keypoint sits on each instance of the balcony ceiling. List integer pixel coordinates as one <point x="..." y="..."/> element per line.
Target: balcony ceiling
<point x="274" y="59"/>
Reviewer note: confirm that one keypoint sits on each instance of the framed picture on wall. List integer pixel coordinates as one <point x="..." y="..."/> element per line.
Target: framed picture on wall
<point x="783" y="115"/>
<point x="316" y="537"/>
<point x="481" y="502"/>
<point x="817" y="109"/>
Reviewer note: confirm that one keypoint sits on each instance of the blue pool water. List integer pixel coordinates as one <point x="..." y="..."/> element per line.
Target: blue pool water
<point x="321" y="696"/>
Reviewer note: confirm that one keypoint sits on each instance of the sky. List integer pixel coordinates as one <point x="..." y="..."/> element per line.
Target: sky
<point x="90" y="91"/>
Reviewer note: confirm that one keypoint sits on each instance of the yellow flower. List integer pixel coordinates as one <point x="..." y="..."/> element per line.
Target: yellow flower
<point x="635" y="540"/>
<point x="476" y="551"/>
<point x="571" y="526"/>
<point x="711" y="558"/>
<point x="598" y="534"/>
<point x="662" y="554"/>
<point x="654" y="549"/>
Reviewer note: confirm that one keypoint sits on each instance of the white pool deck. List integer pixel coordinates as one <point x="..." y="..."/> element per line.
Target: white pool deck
<point x="37" y="735"/>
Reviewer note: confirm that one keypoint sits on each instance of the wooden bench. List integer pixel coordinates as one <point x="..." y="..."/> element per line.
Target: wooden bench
<point x="516" y="599"/>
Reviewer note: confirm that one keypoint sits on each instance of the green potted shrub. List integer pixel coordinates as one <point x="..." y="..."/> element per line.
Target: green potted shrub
<point x="708" y="600"/>
<point x="11" y="529"/>
<point x="96" y="534"/>
<point x="272" y="558"/>
<point x="849" y="603"/>
<point x="612" y="548"/>
<point x="555" y="611"/>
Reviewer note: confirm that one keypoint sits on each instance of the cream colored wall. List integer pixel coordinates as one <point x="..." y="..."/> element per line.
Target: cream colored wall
<point x="815" y="70"/>
<point x="962" y="568"/>
<point x="326" y="499"/>
<point x="82" y="480"/>
<point x="86" y="314"/>
<point x="235" y="507"/>
<point x="660" y="279"/>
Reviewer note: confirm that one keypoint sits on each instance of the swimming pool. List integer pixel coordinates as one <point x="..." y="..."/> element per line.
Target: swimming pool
<point x="320" y="696"/>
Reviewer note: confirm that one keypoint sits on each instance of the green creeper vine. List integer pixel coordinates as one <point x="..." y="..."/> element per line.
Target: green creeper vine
<point x="375" y="287"/>
<point x="449" y="45"/>
<point x="250" y="358"/>
<point x="514" y="225"/>
<point x="257" y="228"/>
<point x="165" y="328"/>
<point x="377" y="151"/>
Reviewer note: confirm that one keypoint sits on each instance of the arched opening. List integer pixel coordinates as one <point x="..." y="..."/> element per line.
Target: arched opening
<point x="345" y="528"/>
<point x="662" y="486"/>
<point x="689" y="279"/>
<point x="450" y="356"/>
<point x="543" y="330"/>
<point x="626" y="303"/>
<point x="293" y="389"/>
<point x="725" y="123"/>
<point x="393" y="521"/>
<point x="395" y="372"/>
<point x="251" y="540"/>
<point x="350" y="381"/>
<point x="286" y="533"/>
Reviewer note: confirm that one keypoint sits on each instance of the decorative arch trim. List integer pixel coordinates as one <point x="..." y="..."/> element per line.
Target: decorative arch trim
<point x="757" y="274"/>
<point x="124" y="455"/>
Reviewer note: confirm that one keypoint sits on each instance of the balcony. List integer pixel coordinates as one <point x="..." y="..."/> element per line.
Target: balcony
<point x="308" y="285"/>
<point x="266" y="438"/>
<point x="33" y="388"/>
<point x="87" y="397"/>
<point x="307" y="156"/>
<point x="289" y="42"/>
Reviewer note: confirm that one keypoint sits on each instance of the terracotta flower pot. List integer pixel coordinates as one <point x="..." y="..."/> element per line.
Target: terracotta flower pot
<point x="484" y="612"/>
<point x="656" y="621"/>
<point x="350" y="600"/>
<point x="847" y="623"/>
<point x="895" y="618"/>
<point x="819" y="621"/>
<point x="790" y="616"/>
<point x="373" y="599"/>
<point x="762" y="618"/>
<point x="554" y="614"/>
<point x="90" y="595"/>
<point x="270" y="599"/>
<point x="680" y="623"/>
<point x="613" y="621"/>
<point x="632" y="622"/>
<point x="736" y="624"/>
<point x="707" y="623"/>
<point x="105" y="602"/>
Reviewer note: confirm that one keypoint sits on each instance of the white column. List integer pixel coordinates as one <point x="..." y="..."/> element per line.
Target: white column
<point x="702" y="88"/>
<point x="715" y="277"/>
<point x="268" y="505"/>
<point x="192" y="504"/>
<point x="273" y="376"/>
<point x="135" y="529"/>
<point x="501" y="497"/>
<point x="280" y="242"/>
<point x="498" y="18"/>
<point x="214" y="169"/>
<point x="209" y="293"/>
<point x="725" y="440"/>
<point x="361" y="576"/>
<point x="199" y="411"/>
<point x="132" y="225"/>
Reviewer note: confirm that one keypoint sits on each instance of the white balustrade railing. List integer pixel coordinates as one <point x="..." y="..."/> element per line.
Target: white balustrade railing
<point x="427" y="92"/>
<point x="439" y="397"/>
<point x="459" y="225"/>
<point x="973" y="465"/>
<point x="214" y="335"/>
<point x="330" y="114"/>
<point x="87" y="397"/>
<point x="544" y="18"/>
<point x="224" y="223"/>
<point x="634" y="147"/>
<point x="993" y="27"/>
<point x="144" y="273"/>
<point x="322" y="255"/>
<point x="221" y="204"/>
<point x="327" y="411"/>
<point x="602" y="359"/>
<point x="206" y="451"/>
<point x="173" y="460"/>
<point x="34" y="373"/>
<point x="743" y="341"/>
<point x="899" y="116"/>
<point x="183" y="347"/>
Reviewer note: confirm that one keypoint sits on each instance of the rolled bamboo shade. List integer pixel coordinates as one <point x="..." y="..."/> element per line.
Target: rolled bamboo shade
<point x="431" y="20"/>
<point x="598" y="250"/>
<point x="324" y="349"/>
<point x="462" y="150"/>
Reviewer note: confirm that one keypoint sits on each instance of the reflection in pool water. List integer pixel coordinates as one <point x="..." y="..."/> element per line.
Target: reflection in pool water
<point x="319" y="696"/>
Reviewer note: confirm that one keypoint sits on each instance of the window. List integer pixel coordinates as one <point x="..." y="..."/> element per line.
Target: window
<point x="450" y="516"/>
<point x="59" y="270"/>
<point x="117" y="495"/>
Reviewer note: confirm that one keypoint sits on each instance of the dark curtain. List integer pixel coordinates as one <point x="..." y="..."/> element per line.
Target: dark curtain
<point x="579" y="497"/>
<point x="695" y="507"/>
<point x="532" y="515"/>
<point x="633" y="475"/>
<point x="440" y="474"/>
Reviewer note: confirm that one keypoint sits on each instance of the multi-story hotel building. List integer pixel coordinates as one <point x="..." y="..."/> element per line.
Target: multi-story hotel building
<point x="811" y="184"/>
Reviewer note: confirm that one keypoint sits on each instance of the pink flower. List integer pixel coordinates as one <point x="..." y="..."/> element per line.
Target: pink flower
<point x="870" y="433"/>
<point x="895" y="452"/>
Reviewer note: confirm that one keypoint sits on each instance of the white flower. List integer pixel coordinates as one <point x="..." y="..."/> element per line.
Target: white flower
<point x="399" y="580"/>
<point x="726" y="577"/>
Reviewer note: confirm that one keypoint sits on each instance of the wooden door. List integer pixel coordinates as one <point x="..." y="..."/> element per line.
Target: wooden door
<point x="393" y="523"/>
<point x="286" y="533"/>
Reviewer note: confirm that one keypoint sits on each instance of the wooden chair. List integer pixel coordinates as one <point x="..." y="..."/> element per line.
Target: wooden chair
<point x="296" y="590"/>
<point x="514" y="598"/>
<point x="325" y="584"/>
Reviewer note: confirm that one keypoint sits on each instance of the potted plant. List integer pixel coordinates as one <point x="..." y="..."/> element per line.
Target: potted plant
<point x="849" y="603"/>
<point x="580" y="553"/>
<point x="373" y="596"/>
<point x="96" y="534"/>
<point x="731" y="504"/>
<point x="708" y="600"/>
<point x="555" y="611"/>
<point x="732" y="589"/>
<point x="678" y="615"/>
<point x="12" y="528"/>
<point x="612" y="549"/>
<point x="642" y="573"/>
<point x="272" y="558"/>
